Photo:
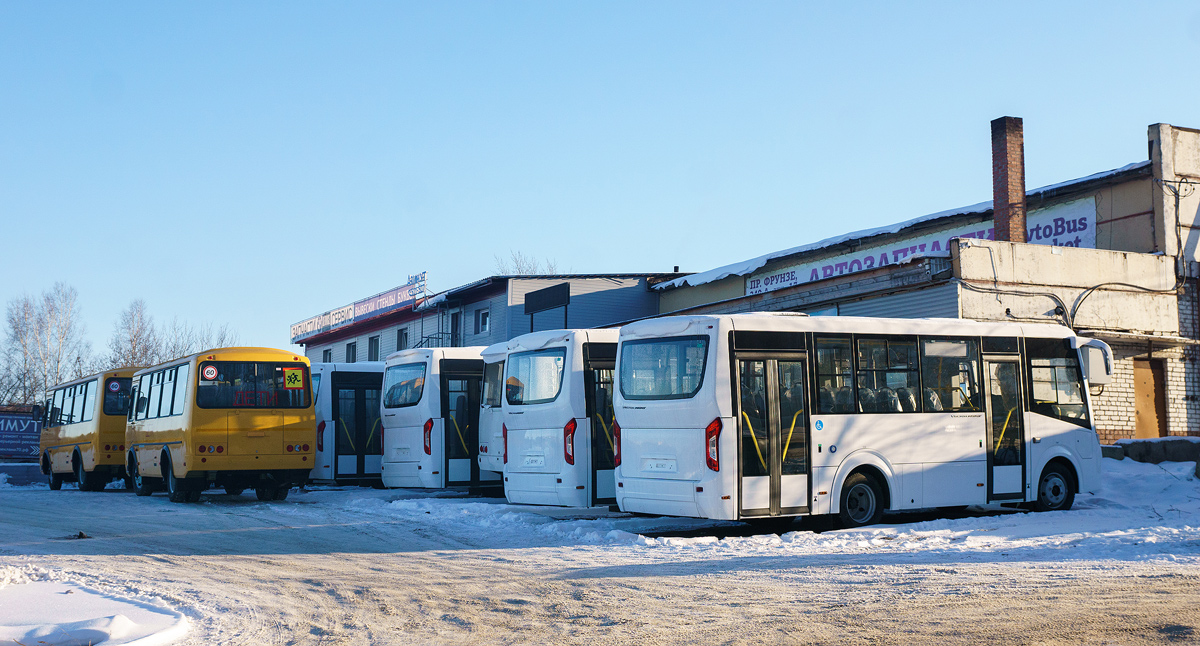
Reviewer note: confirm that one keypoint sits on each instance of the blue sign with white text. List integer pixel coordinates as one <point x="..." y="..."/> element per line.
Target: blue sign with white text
<point x="19" y="435"/>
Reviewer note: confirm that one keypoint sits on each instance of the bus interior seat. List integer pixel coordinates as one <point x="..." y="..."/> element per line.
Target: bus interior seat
<point x="932" y="401"/>
<point x="886" y="401"/>
<point x="908" y="400"/>
<point x="867" y="400"/>
<point x="825" y="396"/>
<point x="843" y="400"/>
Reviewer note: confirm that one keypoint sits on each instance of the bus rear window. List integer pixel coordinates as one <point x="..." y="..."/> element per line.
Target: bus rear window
<point x="252" y="384"/>
<point x="116" y="395"/>
<point x="670" y="368"/>
<point x="534" y="377"/>
<point x="403" y="385"/>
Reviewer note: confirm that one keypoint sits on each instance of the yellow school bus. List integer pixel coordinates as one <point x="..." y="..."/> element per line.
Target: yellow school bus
<point x="237" y="418"/>
<point x="83" y="430"/>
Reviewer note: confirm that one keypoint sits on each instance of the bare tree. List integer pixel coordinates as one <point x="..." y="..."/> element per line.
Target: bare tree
<point x="135" y="340"/>
<point x="44" y="343"/>
<point x="180" y="339"/>
<point x="518" y="264"/>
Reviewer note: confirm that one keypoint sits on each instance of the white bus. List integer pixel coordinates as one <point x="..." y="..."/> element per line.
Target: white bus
<point x="752" y="416"/>
<point x="430" y="413"/>
<point x="349" y="429"/>
<point x="558" y="442"/>
<point x="491" y="412"/>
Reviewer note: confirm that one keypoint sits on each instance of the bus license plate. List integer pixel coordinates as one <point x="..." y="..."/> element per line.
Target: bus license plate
<point x="659" y="465"/>
<point x="402" y="452"/>
<point x="535" y="461"/>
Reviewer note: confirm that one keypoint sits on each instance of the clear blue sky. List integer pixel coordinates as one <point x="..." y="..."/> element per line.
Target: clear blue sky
<point x="256" y="163"/>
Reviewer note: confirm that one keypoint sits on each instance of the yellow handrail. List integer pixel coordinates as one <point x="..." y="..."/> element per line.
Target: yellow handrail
<point x="608" y="437"/>
<point x="756" y="449"/>
<point x="347" y="431"/>
<point x="461" y="440"/>
<point x="789" y="440"/>
<point x="372" y="435"/>
<point x="1004" y="428"/>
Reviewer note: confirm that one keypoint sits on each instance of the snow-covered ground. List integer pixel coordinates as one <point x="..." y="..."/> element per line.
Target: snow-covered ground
<point x="333" y="565"/>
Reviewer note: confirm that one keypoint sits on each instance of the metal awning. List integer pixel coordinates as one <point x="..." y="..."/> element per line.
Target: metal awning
<point x="1161" y="340"/>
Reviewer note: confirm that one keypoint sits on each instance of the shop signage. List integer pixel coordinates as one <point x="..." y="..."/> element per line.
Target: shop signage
<point x="1065" y="225"/>
<point x="19" y="435"/>
<point x="393" y="299"/>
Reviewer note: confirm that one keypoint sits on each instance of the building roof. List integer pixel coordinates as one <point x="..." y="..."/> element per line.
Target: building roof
<point x="746" y="267"/>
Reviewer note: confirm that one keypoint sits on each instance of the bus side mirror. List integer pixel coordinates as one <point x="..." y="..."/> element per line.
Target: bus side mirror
<point x="1096" y="365"/>
<point x="141" y="404"/>
<point x="37" y="413"/>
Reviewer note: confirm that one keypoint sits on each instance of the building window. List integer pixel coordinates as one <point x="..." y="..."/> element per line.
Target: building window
<point x="327" y="355"/>
<point x="373" y="349"/>
<point x="351" y="352"/>
<point x="482" y="319"/>
<point x="402" y="339"/>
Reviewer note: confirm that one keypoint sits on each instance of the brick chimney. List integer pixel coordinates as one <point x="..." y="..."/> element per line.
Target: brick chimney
<point x="1008" y="178"/>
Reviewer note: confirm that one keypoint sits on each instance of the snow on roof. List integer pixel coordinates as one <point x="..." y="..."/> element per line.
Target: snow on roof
<point x="754" y="264"/>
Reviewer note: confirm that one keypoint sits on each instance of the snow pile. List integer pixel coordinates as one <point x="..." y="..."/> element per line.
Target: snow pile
<point x="36" y="608"/>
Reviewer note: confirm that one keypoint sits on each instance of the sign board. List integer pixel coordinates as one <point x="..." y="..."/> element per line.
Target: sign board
<point x="393" y="299"/>
<point x="548" y="298"/>
<point x="1066" y="225"/>
<point x="19" y="435"/>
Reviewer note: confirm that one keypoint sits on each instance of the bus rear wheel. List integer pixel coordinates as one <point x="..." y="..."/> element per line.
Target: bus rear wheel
<point x="93" y="481"/>
<point x="861" y="501"/>
<point x="56" y="481"/>
<point x="271" y="491"/>
<point x="1055" y="490"/>
<point x="176" y="491"/>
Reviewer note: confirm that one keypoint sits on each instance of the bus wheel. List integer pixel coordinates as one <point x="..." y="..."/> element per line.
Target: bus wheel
<point x="193" y="494"/>
<point x="87" y="481"/>
<point x="1054" y="492"/>
<point x="175" y="489"/>
<point x="267" y="491"/>
<point x="861" y="501"/>
<point x="142" y="486"/>
<point x="56" y="481"/>
<point x="233" y="491"/>
<point x="282" y="493"/>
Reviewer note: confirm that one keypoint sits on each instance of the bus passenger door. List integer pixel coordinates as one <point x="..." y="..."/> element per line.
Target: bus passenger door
<point x="358" y="439"/>
<point x="773" y="432"/>
<point x="598" y="382"/>
<point x="462" y="428"/>
<point x="1006" y="430"/>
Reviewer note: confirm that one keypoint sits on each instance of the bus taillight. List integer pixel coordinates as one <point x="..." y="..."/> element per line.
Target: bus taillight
<point x="616" y="444"/>
<point x="504" y="432"/>
<point x="712" y="436"/>
<point x="321" y="436"/>
<point x="428" y="436"/>
<point x="569" y="442"/>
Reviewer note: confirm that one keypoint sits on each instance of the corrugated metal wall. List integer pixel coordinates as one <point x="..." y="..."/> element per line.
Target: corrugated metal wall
<point x="940" y="301"/>
<point x="594" y="302"/>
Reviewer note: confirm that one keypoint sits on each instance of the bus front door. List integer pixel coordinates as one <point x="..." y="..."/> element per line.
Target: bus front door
<point x="461" y="412"/>
<point x="773" y="429"/>
<point x="358" y="447"/>
<point x="1006" y="430"/>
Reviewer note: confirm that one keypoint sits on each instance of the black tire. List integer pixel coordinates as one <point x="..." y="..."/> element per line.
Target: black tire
<point x="176" y="491"/>
<point x="234" y="491"/>
<point x="1056" y="489"/>
<point x="56" y="481"/>
<point x="193" y="494"/>
<point x="862" y="501"/>
<point x="282" y="493"/>
<point x="86" y="481"/>
<point x="142" y="486"/>
<point x="266" y="491"/>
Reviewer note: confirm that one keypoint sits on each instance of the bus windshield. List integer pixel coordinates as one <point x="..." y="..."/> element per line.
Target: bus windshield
<point x="403" y="385"/>
<point x="534" y="377"/>
<point x="670" y="368"/>
<point x="252" y="384"/>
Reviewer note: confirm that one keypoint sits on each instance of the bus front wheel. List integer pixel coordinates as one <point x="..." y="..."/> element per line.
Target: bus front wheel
<point x="1055" y="490"/>
<point x="862" y="501"/>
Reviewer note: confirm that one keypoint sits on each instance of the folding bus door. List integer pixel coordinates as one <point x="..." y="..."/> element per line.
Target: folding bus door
<point x="358" y="443"/>
<point x="1006" y="428"/>
<point x="600" y="361"/>
<point x="462" y="381"/>
<point x="773" y="432"/>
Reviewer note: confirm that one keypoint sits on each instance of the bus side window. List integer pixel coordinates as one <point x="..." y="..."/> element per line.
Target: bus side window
<point x="835" y="375"/>
<point x="950" y="372"/>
